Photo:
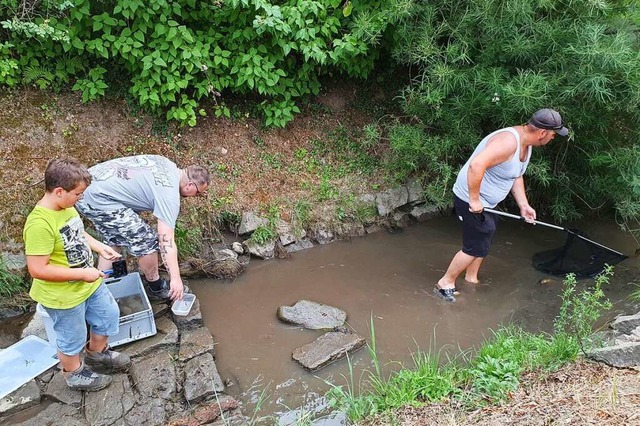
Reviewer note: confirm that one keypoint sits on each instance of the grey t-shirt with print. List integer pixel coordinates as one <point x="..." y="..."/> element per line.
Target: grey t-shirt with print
<point x="141" y="183"/>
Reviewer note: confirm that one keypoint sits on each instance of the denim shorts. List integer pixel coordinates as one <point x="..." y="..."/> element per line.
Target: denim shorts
<point x="100" y="311"/>
<point x="122" y="228"/>
<point x="477" y="229"/>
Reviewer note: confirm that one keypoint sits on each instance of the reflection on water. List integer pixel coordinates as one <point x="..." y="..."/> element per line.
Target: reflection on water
<point x="386" y="279"/>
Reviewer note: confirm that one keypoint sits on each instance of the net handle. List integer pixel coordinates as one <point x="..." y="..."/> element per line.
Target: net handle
<point x="537" y="222"/>
<point x="560" y="228"/>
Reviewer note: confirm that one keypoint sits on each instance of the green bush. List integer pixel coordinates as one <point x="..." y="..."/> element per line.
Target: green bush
<point x="170" y="55"/>
<point x="483" y="64"/>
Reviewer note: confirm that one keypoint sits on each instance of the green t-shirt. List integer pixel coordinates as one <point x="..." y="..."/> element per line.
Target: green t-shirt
<point x="60" y="235"/>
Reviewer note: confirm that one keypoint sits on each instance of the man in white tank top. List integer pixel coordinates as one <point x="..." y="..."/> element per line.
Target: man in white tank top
<point x="495" y="168"/>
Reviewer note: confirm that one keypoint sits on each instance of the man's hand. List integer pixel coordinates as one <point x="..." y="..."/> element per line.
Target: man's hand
<point x="176" y="289"/>
<point x="528" y="213"/>
<point x="92" y="274"/>
<point x="475" y="206"/>
<point x="108" y="253"/>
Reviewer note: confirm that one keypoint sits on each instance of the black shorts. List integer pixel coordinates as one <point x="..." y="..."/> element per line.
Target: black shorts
<point x="477" y="229"/>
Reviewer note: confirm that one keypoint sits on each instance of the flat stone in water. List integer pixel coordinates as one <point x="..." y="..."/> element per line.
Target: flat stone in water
<point x="326" y="349"/>
<point x="312" y="315"/>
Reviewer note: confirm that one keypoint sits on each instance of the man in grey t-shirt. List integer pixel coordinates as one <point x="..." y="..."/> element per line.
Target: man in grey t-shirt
<point x="122" y="188"/>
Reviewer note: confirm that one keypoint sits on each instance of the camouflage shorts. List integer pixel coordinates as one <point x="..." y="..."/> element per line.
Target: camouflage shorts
<point x="122" y="228"/>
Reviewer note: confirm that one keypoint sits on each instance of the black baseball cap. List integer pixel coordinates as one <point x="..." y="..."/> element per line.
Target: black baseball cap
<point x="549" y="119"/>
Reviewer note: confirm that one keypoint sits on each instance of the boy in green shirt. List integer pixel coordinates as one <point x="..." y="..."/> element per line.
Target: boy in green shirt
<point x="65" y="282"/>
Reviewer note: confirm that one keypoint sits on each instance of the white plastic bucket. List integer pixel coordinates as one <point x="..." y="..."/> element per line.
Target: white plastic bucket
<point x="48" y="324"/>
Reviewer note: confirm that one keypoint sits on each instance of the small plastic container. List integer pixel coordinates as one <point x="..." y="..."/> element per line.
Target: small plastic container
<point x="183" y="307"/>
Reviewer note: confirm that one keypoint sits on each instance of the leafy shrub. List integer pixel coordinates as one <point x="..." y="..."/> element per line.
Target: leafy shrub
<point x="475" y="73"/>
<point x="188" y="240"/>
<point x="171" y="55"/>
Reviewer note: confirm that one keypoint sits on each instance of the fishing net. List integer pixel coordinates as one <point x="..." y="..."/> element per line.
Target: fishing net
<point x="580" y="255"/>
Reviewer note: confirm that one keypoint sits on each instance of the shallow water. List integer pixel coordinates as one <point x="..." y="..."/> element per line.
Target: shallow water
<point x="384" y="279"/>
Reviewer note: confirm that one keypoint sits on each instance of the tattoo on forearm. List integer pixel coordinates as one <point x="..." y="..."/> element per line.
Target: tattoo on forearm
<point x="165" y="243"/>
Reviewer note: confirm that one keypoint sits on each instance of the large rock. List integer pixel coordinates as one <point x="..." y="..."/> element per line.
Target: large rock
<point x="424" y="212"/>
<point x="326" y="349"/>
<point x="22" y="398"/>
<point x="263" y="251"/>
<point x="57" y="414"/>
<point x="303" y="244"/>
<point x="167" y="335"/>
<point x="58" y="390"/>
<point x="207" y="412"/>
<point x="147" y="412"/>
<point x="201" y="378"/>
<point x="391" y="199"/>
<point x="35" y="327"/>
<point x="322" y="234"/>
<point x="108" y="406"/>
<point x="190" y="321"/>
<point x="626" y="324"/>
<point x="16" y="263"/>
<point x="312" y="315"/>
<point x="155" y="376"/>
<point x="622" y="355"/>
<point x="414" y="191"/>
<point x="195" y="342"/>
<point x="250" y="222"/>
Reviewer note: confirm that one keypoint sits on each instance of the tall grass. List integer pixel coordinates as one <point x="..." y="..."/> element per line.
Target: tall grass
<point x="487" y="375"/>
<point x="10" y="284"/>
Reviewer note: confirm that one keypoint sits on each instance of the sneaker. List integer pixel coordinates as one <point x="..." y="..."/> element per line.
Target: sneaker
<point x="163" y="292"/>
<point x="445" y="293"/>
<point x="107" y="358"/>
<point x="85" y="379"/>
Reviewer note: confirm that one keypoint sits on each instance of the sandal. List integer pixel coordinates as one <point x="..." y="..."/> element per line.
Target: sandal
<point x="446" y="294"/>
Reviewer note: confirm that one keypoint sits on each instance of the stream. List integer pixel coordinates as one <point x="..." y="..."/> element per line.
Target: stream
<point x="384" y="279"/>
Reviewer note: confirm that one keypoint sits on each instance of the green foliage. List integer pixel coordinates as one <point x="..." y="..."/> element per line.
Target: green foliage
<point x="484" y="64"/>
<point x="580" y="310"/>
<point x="263" y="234"/>
<point x="172" y="55"/>
<point x="188" y="240"/>
<point x="10" y="284"/>
<point x="93" y="87"/>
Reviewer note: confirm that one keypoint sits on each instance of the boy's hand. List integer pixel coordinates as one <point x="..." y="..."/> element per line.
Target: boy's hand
<point x="92" y="274"/>
<point x="108" y="253"/>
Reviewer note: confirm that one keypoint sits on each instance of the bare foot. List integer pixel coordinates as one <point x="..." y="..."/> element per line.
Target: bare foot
<point x="472" y="281"/>
<point x="443" y="285"/>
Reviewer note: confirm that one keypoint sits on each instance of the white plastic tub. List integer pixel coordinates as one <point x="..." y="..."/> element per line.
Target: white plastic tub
<point x="183" y="307"/>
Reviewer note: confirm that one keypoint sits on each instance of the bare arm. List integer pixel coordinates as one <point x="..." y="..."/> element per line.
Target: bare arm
<point x="102" y="249"/>
<point x="499" y="149"/>
<point x="520" y="195"/>
<point x="169" y="253"/>
<point x="40" y="268"/>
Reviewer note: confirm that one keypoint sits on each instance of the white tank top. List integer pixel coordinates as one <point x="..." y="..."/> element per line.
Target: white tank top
<point x="498" y="180"/>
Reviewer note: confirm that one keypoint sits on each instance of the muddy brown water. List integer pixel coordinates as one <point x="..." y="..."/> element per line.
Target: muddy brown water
<point x="386" y="279"/>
